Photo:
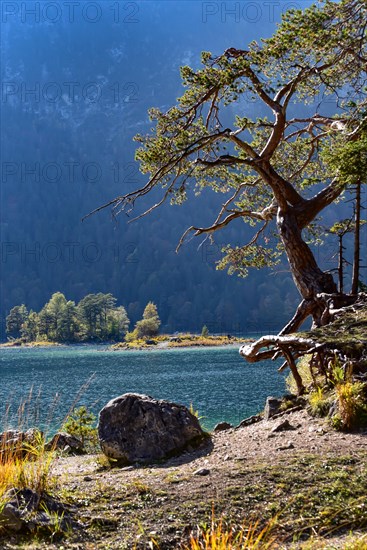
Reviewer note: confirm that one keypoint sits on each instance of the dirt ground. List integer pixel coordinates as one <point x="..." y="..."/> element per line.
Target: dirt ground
<point x="311" y="478"/>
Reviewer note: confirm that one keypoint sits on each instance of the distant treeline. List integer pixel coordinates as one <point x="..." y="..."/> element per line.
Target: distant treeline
<point x="95" y="318"/>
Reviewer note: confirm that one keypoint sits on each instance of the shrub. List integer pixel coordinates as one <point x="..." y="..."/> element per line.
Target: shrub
<point x="81" y="424"/>
<point x="352" y="404"/>
<point x="205" y="331"/>
<point x="131" y="336"/>
<point x="320" y="402"/>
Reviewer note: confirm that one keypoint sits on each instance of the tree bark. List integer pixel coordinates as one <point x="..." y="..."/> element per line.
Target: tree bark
<point x="356" y="258"/>
<point x="340" y="265"/>
<point x="308" y="277"/>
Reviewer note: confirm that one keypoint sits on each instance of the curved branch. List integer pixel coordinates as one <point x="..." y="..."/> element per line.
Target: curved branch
<point x="211" y="229"/>
<point x="308" y="210"/>
<point x="242" y="144"/>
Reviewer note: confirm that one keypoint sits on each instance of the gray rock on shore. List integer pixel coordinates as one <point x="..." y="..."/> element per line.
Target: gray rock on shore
<point x="25" y="510"/>
<point x="139" y="428"/>
<point x="63" y="441"/>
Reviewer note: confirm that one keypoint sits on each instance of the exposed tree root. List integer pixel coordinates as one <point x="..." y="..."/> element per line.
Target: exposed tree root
<point x="340" y="313"/>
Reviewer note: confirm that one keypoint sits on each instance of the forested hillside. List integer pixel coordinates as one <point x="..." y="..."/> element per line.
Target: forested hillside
<point x="72" y="100"/>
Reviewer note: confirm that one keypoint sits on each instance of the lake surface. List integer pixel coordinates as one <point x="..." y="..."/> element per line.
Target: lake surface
<point x="217" y="381"/>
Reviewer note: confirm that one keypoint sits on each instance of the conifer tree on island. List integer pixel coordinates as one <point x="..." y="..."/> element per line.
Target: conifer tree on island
<point x="276" y="171"/>
<point x="149" y="325"/>
<point x="18" y="315"/>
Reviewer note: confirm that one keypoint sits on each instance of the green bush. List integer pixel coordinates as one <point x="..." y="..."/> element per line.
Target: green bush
<point x="320" y="402"/>
<point x="81" y="424"/>
<point x="352" y="404"/>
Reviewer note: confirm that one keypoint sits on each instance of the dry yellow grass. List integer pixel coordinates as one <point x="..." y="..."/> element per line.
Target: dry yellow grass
<point x="218" y="537"/>
<point x="26" y="466"/>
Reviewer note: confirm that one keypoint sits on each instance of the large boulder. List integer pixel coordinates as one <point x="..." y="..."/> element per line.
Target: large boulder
<point x="138" y="428"/>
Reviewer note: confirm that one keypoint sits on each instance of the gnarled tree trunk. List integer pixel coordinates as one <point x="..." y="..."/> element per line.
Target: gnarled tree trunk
<point x="308" y="277"/>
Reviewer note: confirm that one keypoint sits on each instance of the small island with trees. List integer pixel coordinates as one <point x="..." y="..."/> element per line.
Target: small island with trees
<point x="97" y="319"/>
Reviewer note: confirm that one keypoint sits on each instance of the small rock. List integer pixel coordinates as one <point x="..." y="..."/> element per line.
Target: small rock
<point x="23" y="511"/>
<point x="283" y="426"/>
<point x="227" y="457"/>
<point x="222" y="426"/>
<point x="202" y="472"/>
<point x="272" y="407"/>
<point x="63" y="441"/>
<point x="289" y="445"/>
<point x="88" y="478"/>
<point x="10" y="518"/>
<point x="248" y="421"/>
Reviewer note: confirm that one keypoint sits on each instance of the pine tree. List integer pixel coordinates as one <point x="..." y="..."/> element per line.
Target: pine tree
<point x="15" y="320"/>
<point x="269" y="168"/>
<point x="149" y="325"/>
<point x="30" y="328"/>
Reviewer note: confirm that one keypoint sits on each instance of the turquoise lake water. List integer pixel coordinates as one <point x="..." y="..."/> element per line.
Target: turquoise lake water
<point x="217" y="381"/>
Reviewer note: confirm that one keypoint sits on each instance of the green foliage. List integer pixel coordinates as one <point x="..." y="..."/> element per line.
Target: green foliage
<point x="352" y="404"/>
<point x="100" y="318"/>
<point x="205" y="331"/>
<point x="15" y="320"/>
<point x="337" y="373"/>
<point x="239" y="259"/>
<point x="149" y="325"/>
<point x="81" y="424"/>
<point x="29" y="329"/>
<point x="131" y="336"/>
<point x="260" y="162"/>
<point x="336" y="422"/>
<point x="96" y="317"/>
<point x="57" y="319"/>
<point x="320" y="402"/>
<point x="348" y="158"/>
